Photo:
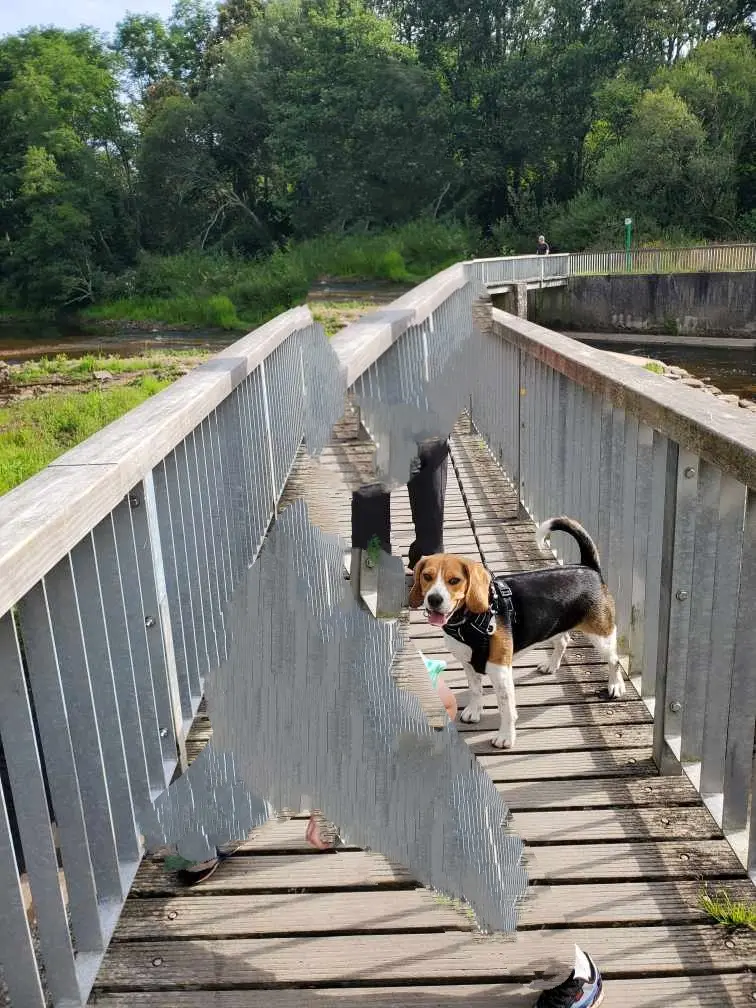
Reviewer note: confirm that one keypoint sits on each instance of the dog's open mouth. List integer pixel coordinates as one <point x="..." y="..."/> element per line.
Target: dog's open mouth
<point x="436" y="618"/>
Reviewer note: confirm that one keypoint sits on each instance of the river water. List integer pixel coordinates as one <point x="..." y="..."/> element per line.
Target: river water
<point x="732" y="370"/>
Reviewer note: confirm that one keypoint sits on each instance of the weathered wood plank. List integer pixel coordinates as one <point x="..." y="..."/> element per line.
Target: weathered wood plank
<point x="622" y="861"/>
<point x="563" y="740"/>
<point x="280" y="873"/>
<point x="419" y="958"/>
<point x="287" y="913"/>
<point x="574" y="656"/>
<point x="523" y="766"/>
<point x="209" y="917"/>
<point x="539" y="827"/>
<point x="544" y="694"/>
<point x="614" y="824"/>
<point x="591" y="862"/>
<point x="591" y="793"/>
<point x="725" y="991"/>
<point x="577" y="715"/>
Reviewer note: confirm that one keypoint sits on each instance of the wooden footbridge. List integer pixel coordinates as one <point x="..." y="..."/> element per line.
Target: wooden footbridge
<point x="606" y="795"/>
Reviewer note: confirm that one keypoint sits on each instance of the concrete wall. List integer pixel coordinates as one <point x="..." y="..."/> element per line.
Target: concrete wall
<point x="718" y="304"/>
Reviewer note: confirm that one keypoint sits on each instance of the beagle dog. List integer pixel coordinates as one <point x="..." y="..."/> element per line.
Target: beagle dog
<point x="487" y="620"/>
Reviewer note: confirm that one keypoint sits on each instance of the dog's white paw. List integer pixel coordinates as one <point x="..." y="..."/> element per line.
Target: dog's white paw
<point x="504" y="740"/>
<point x="471" y="714"/>
<point x="544" y="668"/>
<point x="616" y="687"/>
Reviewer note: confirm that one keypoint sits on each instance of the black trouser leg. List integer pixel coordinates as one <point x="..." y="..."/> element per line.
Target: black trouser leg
<point x="371" y="506"/>
<point x="371" y="517"/>
<point x="427" y="489"/>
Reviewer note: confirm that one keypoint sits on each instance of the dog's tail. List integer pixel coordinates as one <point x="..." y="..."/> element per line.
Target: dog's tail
<point x="588" y="553"/>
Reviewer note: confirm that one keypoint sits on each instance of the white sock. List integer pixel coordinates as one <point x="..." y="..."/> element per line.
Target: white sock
<point x="582" y="966"/>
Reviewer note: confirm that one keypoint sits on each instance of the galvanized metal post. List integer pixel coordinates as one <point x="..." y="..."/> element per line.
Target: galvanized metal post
<point x="663" y="756"/>
<point x="165" y="617"/>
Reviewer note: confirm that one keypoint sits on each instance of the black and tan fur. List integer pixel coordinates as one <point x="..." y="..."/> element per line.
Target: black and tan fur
<point x="546" y="606"/>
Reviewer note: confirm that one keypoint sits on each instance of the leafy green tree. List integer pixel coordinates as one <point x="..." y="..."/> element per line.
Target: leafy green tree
<point x="66" y="168"/>
<point x="718" y="84"/>
<point x="663" y="164"/>
<point x="323" y="115"/>
<point x="153" y="50"/>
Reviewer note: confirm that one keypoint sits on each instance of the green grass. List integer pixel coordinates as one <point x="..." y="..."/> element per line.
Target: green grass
<point x="218" y="290"/>
<point x="33" y="432"/>
<point x="728" y="912"/>
<point x="656" y="366"/>
<point x="334" y="315"/>
<point x="62" y="366"/>
<point x="217" y="312"/>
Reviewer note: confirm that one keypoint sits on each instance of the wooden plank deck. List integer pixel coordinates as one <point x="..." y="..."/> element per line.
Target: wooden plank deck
<point x="617" y="856"/>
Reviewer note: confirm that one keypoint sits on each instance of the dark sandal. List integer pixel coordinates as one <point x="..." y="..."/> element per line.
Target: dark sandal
<point x="198" y="872"/>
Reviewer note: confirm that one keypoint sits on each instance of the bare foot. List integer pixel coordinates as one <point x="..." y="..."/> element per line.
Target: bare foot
<point x="313" y="837"/>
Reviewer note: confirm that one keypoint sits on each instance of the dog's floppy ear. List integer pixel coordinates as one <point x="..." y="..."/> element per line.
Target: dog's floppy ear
<point x="416" y="592"/>
<point x="478" y="584"/>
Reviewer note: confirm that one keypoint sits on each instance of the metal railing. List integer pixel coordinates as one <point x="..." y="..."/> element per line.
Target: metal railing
<point x="534" y="269"/>
<point x="665" y="480"/>
<point x="115" y="564"/>
<point x="530" y="269"/>
<point x="702" y="259"/>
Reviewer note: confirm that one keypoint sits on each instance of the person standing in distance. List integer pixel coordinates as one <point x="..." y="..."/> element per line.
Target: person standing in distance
<point x="542" y="247"/>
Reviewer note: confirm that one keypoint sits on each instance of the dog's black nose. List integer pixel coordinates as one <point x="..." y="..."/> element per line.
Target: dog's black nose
<point x="434" y="600"/>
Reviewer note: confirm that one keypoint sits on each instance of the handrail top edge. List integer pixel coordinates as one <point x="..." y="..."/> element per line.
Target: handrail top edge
<point x="690" y="416"/>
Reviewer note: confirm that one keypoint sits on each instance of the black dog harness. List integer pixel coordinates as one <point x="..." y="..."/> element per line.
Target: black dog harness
<point x="475" y="629"/>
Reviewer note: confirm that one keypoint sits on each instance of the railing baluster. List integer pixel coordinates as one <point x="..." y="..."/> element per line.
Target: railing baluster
<point x="194" y="588"/>
<point x="664" y="534"/>
<point x="123" y="654"/>
<point x="627" y="529"/>
<point x="16" y="949"/>
<point x="255" y="437"/>
<point x="642" y="506"/>
<point x="160" y="730"/>
<point x="742" y="704"/>
<point x="33" y="818"/>
<point x="159" y="615"/>
<point x="106" y="714"/>
<point x="230" y="469"/>
<point x="73" y="666"/>
<point x="698" y="665"/>
<point x="206" y="584"/>
<point x="682" y="575"/>
<point x="616" y="495"/>
<point x="728" y="562"/>
<point x="60" y="765"/>
<point x="175" y="556"/>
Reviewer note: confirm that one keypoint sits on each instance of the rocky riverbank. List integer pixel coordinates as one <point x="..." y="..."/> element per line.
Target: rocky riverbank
<point x="679" y="374"/>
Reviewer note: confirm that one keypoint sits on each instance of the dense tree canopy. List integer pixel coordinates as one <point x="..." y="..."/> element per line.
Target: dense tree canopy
<point x="239" y="126"/>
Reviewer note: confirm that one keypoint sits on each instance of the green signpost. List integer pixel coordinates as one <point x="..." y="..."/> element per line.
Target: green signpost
<point x="628" y="240"/>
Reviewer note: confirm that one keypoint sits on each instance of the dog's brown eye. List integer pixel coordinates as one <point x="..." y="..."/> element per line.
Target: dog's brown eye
<point x="454" y="581"/>
<point x="427" y="577"/>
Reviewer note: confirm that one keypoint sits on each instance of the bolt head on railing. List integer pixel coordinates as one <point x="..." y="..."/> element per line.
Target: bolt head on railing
<point x="681" y="596"/>
<point x="689" y="472"/>
<point x="149" y="621"/>
<point x="675" y="706"/>
<point x="133" y="501"/>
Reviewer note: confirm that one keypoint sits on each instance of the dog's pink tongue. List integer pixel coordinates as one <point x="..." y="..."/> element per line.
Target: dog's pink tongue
<point x="436" y="618"/>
